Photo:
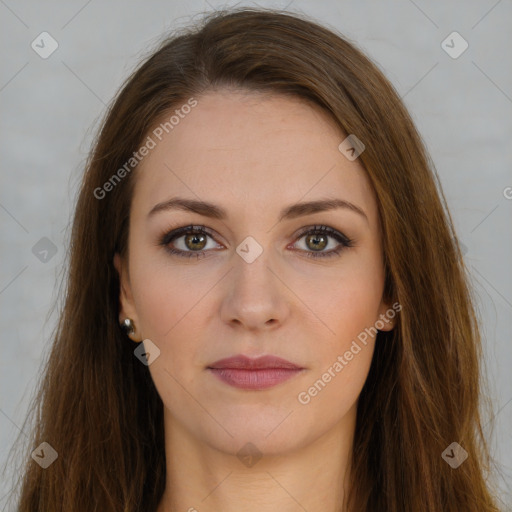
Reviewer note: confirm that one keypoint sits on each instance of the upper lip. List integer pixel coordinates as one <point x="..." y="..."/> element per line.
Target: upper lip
<point x="241" y="362"/>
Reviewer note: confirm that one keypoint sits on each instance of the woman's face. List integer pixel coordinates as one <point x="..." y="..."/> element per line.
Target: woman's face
<point x="260" y="280"/>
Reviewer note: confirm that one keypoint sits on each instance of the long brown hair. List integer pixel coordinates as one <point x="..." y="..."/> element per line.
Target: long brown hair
<point x="97" y="405"/>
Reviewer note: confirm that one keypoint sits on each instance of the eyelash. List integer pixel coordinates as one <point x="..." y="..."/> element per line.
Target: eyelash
<point x="172" y="235"/>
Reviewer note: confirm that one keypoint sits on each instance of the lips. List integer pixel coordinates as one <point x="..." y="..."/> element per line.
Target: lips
<point x="254" y="373"/>
<point x="242" y="362"/>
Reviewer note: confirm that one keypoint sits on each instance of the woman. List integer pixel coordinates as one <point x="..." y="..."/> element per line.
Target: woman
<point x="260" y="217"/>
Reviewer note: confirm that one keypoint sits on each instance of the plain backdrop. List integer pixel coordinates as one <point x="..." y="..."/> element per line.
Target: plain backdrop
<point x="51" y="107"/>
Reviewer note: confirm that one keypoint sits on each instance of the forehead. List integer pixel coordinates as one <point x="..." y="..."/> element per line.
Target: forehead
<point x="252" y="149"/>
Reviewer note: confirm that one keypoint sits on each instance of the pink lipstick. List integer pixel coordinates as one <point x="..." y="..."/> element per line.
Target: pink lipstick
<point x="260" y="373"/>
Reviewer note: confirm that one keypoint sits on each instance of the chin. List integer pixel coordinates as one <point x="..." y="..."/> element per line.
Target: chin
<point x="269" y="436"/>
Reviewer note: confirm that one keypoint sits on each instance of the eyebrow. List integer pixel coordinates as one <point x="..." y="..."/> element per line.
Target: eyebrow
<point x="293" y="211"/>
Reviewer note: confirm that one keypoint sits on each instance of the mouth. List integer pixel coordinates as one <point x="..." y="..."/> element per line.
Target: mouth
<point x="254" y="373"/>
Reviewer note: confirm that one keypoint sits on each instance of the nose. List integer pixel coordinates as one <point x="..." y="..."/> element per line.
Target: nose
<point x="256" y="297"/>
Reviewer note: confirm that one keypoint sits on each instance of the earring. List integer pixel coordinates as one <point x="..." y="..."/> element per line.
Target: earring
<point x="127" y="326"/>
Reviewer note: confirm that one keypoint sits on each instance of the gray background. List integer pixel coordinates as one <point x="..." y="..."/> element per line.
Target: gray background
<point x="51" y="108"/>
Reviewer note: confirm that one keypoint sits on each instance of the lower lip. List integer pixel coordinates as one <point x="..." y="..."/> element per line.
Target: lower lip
<point x="254" y="379"/>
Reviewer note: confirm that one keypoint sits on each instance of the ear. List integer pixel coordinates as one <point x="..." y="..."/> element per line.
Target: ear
<point x="387" y="316"/>
<point x="126" y="303"/>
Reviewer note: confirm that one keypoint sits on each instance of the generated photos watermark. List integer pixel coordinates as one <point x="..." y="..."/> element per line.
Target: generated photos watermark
<point x="151" y="142"/>
<point x="304" y="397"/>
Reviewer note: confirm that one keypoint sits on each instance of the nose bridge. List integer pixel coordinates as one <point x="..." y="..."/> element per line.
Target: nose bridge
<point x="255" y="293"/>
<point x="252" y="273"/>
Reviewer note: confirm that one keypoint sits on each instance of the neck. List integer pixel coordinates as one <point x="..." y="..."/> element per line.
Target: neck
<point x="201" y="478"/>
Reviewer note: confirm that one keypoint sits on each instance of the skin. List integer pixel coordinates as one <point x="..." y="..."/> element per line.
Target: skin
<point x="254" y="154"/>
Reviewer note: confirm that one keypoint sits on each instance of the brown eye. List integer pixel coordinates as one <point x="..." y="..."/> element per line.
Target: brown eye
<point x="188" y="241"/>
<point x="316" y="242"/>
<point x="195" y="242"/>
<point x="317" y="238"/>
<point x="192" y="241"/>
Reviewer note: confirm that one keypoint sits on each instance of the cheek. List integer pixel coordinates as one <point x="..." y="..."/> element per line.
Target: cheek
<point x="342" y="356"/>
<point x="347" y="302"/>
<point x="173" y="310"/>
<point x="165" y="292"/>
<point x="348" y="310"/>
<point x="335" y="389"/>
